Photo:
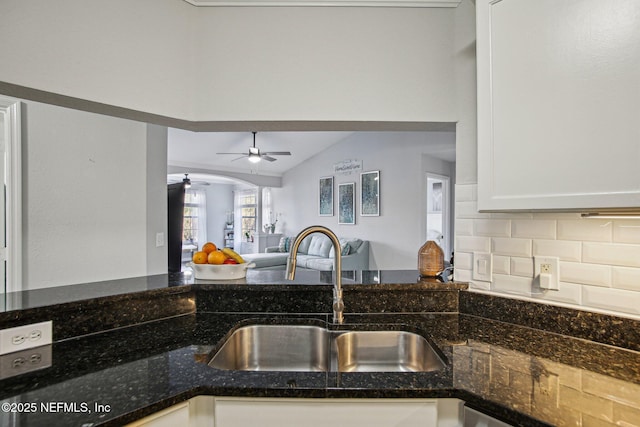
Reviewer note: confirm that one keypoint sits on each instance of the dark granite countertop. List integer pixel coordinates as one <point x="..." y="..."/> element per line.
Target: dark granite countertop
<point x="138" y="361"/>
<point x="127" y="288"/>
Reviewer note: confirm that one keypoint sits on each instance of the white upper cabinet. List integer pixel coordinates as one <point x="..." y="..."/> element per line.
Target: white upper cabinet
<point x="558" y="104"/>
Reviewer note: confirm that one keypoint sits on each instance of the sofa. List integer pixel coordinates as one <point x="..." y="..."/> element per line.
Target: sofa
<point x="315" y="253"/>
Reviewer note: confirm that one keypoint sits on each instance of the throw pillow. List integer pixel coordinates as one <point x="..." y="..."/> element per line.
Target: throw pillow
<point x="283" y="246"/>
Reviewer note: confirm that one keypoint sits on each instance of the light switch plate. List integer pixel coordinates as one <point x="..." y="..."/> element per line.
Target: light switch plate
<point x="483" y="266"/>
<point x="159" y="240"/>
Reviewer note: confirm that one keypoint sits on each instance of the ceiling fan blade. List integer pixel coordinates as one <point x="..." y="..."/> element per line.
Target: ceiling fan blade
<point x="267" y="158"/>
<point x="237" y="154"/>
<point x="242" y="157"/>
<point x="277" y="153"/>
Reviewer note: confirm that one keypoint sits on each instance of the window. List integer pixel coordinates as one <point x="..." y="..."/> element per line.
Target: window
<point x="195" y="221"/>
<point x="247" y="203"/>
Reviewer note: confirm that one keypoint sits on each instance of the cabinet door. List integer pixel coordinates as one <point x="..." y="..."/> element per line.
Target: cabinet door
<point x="177" y="415"/>
<point x="558" y="104"/>
<point x="322" y="412"/>
<point x="476" y="419"/>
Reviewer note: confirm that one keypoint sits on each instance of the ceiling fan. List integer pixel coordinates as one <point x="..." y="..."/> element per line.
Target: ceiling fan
<point x="254" y="155"/>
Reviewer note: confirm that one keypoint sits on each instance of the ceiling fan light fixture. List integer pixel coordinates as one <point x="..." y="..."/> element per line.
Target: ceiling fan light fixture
<point x="186" y="181"/>
<point x="254" y="157"/>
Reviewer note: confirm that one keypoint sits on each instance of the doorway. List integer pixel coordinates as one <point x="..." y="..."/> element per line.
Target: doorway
<point x="10" y="198"/>
<point x="438" y="204"/>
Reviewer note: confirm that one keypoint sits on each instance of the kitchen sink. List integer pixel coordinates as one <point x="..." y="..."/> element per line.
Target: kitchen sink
<point x="385" y="351"/>
<point x="275" y="348"/>
<point x="305" y="348"/>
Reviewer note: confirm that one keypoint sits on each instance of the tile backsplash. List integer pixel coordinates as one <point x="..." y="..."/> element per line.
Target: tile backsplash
<point x="599" y="258"/>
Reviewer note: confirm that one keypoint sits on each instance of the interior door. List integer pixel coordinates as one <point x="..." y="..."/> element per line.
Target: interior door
<point x="438" y="221"/>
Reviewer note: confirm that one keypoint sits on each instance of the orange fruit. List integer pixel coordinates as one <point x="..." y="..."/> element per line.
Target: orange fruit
<point x="208" y="247"/>
<point x="200" y="258"/>
<point x="216" y="257"/>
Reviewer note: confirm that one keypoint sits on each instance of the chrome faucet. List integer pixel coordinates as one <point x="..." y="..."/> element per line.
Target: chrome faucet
<point x="338" y="303"/>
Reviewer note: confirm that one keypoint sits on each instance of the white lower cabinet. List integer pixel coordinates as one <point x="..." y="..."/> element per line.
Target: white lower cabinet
<point x="196" y="412"/>
<point x="474" y="418"/>
<point x="209" y="411"/>
<point x="278" y="412"/>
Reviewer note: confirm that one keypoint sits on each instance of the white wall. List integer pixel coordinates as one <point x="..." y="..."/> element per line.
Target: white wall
<point x="219" y="202"/>
<point x="397" y="234"/>
<point x="135" y="54"/>
<point x="157" y="210"/>
<point x="85" y="197"/>
<point x="325" y="64"/>
<point x="599" y="260"/>
<point x="211" y="64"/>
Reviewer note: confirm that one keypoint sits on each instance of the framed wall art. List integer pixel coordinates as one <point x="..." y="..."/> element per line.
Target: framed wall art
<point x="346" y="203"/>
<point x="325" y="198"/>
<point x="370" y="193"/>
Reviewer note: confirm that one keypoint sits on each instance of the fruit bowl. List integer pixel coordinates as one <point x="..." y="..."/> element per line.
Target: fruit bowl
<point x="220" y="271"/>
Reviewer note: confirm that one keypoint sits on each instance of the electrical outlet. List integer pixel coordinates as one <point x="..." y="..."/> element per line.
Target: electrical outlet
<point x="546" y="270"/>
<point x="24" y="337"/>
<point x="25" y="361"/>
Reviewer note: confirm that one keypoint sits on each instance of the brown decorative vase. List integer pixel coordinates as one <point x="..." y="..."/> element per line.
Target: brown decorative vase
<point x="430" y="259"/>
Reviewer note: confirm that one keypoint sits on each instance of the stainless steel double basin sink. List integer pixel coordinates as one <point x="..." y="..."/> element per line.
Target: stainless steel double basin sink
<point x="306" y="348"/>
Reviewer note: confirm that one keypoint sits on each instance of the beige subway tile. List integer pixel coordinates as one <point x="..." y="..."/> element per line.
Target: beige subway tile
<point x="625" y="278"/>
<point x="499" y="376"/>
<point x="466" y="192"/>
<point x="511" y="247"/>
<point x="595" y="406"/>
<point x="521" y="267"/>
<point x="464" y="227"/>
<point x="534" y="228"/>
<point x="563" y="249"/>
<point x="567" y="375"/>
<point x="545" y="390"/>
<point x="623" y="392"/>
<point x="587" y="274"/>
<point x="501" y="264"/>
<point x="591" y="421"/>
<point x="511" y="284"/>
<point x="586" y="230"/>
<point x="626" y="231"/>
<point x="517" y="392"/>
<point x="480" y="285"/>
<point x="627" y="416"/>
<point x="512" y="360"/>
<point x="473" y="244"/>
<point x="461" y="275"/>
<point x="612" y="300"/>
<point x="569" y="293"/>
<point x="611" y="254"/>
<point x="469" y="210"/>
<point x="492" y="227"/>
<point x="463" y="260"/>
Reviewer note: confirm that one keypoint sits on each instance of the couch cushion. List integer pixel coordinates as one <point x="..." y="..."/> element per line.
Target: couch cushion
<point x="348" y="246"/>
<point x="354" y="244"/>
<point x="304" y="245"/>
<point x="319" y="263"/>
<point x="285" y="244"/>
<point x="320" y="246"/>
<point x="301" y="260"/>
<point x="345" y="249"/>
<point x="267" y="260"/>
